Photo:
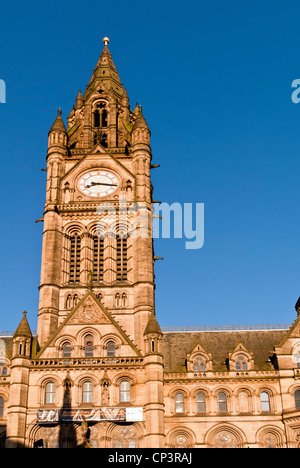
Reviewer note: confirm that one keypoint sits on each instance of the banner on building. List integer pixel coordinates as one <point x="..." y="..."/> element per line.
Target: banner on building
<point x="55" y="416"/>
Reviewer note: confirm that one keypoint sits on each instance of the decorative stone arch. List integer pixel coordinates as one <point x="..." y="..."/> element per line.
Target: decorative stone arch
<point x="181" y="437"/>
<point x="65" y="435"/>
<point x="110" y="337"/>
<point x="229" y="394"/>
<point x="62" y="341"/>
<point x="80" y="337"/>
<point x="240" y="350"/>
<point x="116" y="382"/>
<point x="43" y="381"/>
<point x="124" y="433"/>
<point x="270" y="437"/>
<point x="198" y="351"/>
<point x="80" y="381"/>
<point x="225" y="436"/>
<point x="207" y="394"/>
<point x="244" y="397"/>
<point x="272" y="395"/>
<point x="173" y="397"/>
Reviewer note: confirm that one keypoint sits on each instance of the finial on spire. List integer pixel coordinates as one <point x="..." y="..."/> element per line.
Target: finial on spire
<point x="106" y="41"/>
<point x="59" y="111"/>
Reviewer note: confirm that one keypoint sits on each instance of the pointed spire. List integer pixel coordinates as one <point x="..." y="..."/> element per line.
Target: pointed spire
<point x="140" y="121"/>
<point x="79" y="100"/>
<point x="23" y="329"/>
<point x="152" y="326"/>
<point x="58" y="125"/>
<point x="106" y="73"/>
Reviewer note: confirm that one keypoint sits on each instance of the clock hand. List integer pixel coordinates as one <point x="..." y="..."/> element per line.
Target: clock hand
<point x="100" y="183"/>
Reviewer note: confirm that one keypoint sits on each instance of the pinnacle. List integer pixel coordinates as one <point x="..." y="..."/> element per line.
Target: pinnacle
<point x="58" y="125"/>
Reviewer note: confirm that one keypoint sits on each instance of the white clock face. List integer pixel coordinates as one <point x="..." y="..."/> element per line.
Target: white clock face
<point x="98" y="183"/>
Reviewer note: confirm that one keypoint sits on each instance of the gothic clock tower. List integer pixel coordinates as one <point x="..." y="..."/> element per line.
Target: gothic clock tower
<point x="98" y="184"/>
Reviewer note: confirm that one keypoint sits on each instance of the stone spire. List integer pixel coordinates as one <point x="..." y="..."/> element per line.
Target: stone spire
<point x="23" y="329"/>
<point x="58" y="125"/>
<point x="152" y="327"/>
<point x="106" y="73"/>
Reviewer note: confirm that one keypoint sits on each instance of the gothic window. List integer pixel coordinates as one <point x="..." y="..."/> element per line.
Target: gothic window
<point x="103" y="140"/>
<point x="265" y="402"/>
<point x="131" y="444"/>
<point x="222" y="402"/>
<point x="69" y="302"/>
<point x="98" y="263"/>
<point x="124" y="300"/>
<point x="104" y="118"/>
<point x="75" y="253"/>
<point x="241" y="363"/>
<point x="3" y="371"/>
<point x="297" y="399"/>
<point x="124" y="391"/>
<point x="67" y="351"/>
<point x="87" y="392"/>
<point x="50" y="391"/>
<point x="117" y="300"/>
<point x="199" y="364"/>
<point x="89" y="346"/>
<point x="97" y="118"/>
<point x="1" y="407"/>
<point x="75" y="299"/>
<point x="121" y="258"/>
<point x="111" y="349"/>
<point x="179" y="403"/>
<point x="201" y="404"/>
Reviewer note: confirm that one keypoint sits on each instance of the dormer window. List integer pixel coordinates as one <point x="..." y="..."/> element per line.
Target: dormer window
<point x="199" y="364"/>
<point x="241" y="363"/>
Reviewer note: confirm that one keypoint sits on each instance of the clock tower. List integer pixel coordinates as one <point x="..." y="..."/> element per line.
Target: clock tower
<point x="98" y="191"/>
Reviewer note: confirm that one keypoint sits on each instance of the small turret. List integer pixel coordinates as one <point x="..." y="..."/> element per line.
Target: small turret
<point x="79" y="100"/>
<point x="22" y="338"/>
<point x="58" y="133"/>
<point x="140" y="129"/>
<point x="152" y="336"/>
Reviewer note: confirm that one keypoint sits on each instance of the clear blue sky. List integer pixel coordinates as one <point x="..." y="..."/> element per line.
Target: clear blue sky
<point x="214" y="80"/>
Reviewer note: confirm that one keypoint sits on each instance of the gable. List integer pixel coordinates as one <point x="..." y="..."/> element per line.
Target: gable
<point x="89" y="314"/>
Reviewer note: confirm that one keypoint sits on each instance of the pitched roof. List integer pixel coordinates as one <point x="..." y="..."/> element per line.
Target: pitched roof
<point x="58" y="125"/>
<point x="23" y="329"/>
<point x="152" y="326"/>
<point x="176" y="347"/>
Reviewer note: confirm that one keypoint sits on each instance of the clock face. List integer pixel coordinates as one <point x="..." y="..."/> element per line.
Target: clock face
<point x="98" y="183"/>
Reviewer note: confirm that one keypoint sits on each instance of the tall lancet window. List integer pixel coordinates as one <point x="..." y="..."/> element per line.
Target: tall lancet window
<point x="121" y="258"/>
<point x="75" y="253"/>
<point x="98" y="262"/>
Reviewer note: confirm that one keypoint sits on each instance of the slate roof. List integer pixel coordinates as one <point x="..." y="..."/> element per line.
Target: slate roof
<point x="176" y="347"/>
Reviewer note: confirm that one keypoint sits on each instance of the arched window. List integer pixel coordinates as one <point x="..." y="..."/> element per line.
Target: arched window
<point x="124" y="391"/>
<point x="104" y="118"/>
<point x="75" y="253"/>
<point x="222" y="402"/>
<point x="201" y="404"/>
<point x="97" y="119"/>
<point x="265" y="402"/>
<point x="121" y="258"/>
<point x="241" y="363"/>
<point x="117" y="300"/>
<point x="67" y="350"/>
<point x="50" y="391"/>
<point x="75" y="299"/>
<point x="89" y="346"/>
<point x="98" y="263"/>
<point x="103" y="140"/>
<point x="111" y="349"/>
<point x="199" y="364"/>
<point x="124" y="300"/>
<point x="297" y="399"/>
<point x="1" y="407"/>
<point x="69" y="302"/>
<point x="179" y="403"/>
<point x="87" y="392"/>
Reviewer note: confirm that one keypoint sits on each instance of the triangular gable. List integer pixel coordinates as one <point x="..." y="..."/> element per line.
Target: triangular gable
<point x="89" y="311"/>
<point x="95" y="152"/>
